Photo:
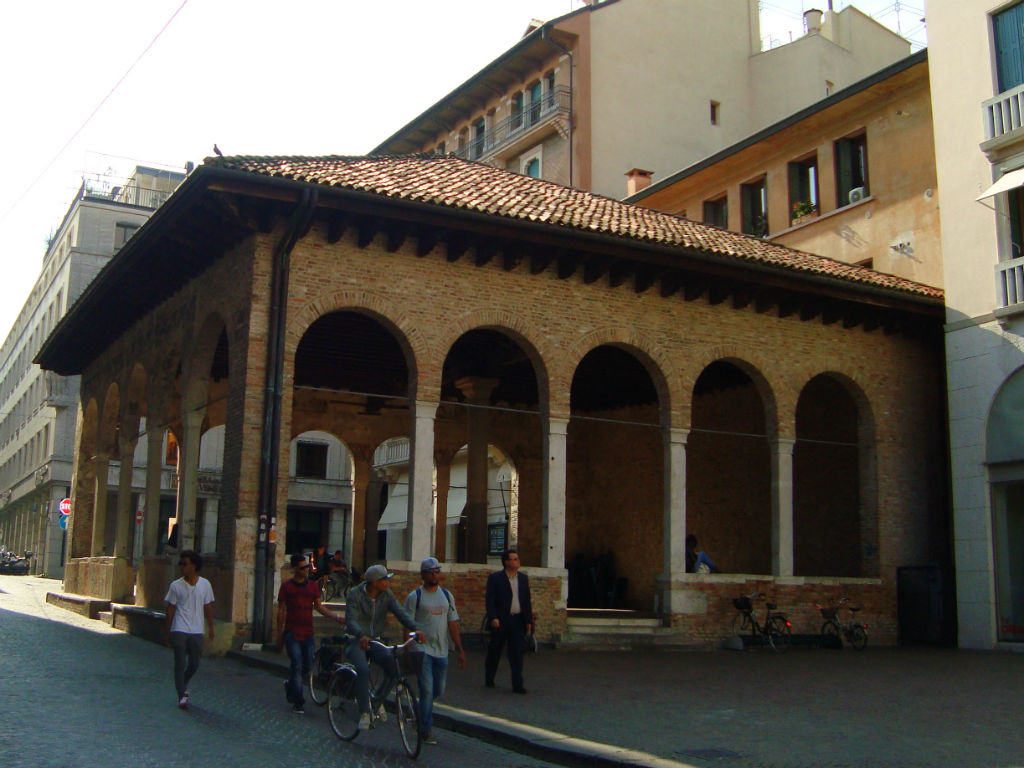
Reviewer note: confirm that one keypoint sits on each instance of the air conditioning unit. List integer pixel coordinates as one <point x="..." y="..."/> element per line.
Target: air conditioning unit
<point x="857" y="194"/>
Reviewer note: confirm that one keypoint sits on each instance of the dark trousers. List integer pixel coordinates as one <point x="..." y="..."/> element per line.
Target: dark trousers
<point x="188" y="649"/>
<point x="514" y="636"/>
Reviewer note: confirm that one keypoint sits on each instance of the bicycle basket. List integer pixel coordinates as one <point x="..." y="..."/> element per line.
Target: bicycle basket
<point x="828" y="613"/>
<point x="410" y="663"/>
<point x="742" y="603"/>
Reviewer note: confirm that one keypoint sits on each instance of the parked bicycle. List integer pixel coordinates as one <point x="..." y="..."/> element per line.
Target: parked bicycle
<point x="334" y="585"/>
<point x="343" y="706"/>
<point x="855" y="632"/>
<point x="776" y="629"/>
<point x="330" y="653"/>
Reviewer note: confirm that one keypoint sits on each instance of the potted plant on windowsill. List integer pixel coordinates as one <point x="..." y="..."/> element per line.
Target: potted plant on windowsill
<point x="803" y="211"/>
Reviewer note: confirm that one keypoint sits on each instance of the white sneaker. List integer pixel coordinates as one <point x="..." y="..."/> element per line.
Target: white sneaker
<point x="364" y="721"/>
<point x="382" y="714"/>
<point x="183" y="702"/>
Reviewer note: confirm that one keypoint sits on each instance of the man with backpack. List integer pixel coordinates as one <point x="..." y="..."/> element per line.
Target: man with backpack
<point x="433" y="608"/>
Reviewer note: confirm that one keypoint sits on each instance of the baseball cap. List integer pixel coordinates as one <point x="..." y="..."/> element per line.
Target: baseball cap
<point x="430" y="564"/>
<point x="375" y="572"/>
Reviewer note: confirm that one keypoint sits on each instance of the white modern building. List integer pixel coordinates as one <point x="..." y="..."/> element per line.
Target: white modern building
<point x="976" y="51"/>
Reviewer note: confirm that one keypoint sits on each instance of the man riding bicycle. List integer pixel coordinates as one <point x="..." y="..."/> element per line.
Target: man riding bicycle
<point x="365" y="614"/>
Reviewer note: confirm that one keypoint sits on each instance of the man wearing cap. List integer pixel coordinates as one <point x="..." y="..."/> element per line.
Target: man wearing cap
<point x="433" y="608"/>
<point x="366" y="612"/>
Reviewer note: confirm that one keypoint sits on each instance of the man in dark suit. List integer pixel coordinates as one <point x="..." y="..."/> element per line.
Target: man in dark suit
<point x="511" y="618"/>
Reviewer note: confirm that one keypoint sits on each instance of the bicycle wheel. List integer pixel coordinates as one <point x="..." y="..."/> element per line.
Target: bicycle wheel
<point x="741" y="624"/>
<point x="859" y="637"/>
<point x="320" y="675"/>
<point x="342" y="706"/>
<point x="830" y="635"/>
<point x="331" y="589"/>
<point x="408" y="719"/>
<point x="779" y="635"/>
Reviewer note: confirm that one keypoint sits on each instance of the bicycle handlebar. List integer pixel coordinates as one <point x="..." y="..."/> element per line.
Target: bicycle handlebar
<point x="385" y="646"/>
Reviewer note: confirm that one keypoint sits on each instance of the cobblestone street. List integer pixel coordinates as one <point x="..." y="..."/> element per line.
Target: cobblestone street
<point x="74" y="692"/>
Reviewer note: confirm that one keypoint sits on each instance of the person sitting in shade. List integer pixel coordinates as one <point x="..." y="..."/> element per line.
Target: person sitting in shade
<point x="697" y="562"/>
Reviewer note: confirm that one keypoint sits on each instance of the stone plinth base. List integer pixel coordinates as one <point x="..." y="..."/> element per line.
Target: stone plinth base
<point x="106" y="578"/>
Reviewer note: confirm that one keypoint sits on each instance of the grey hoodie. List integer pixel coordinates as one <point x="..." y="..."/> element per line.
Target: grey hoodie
<point x="364" y="616"/>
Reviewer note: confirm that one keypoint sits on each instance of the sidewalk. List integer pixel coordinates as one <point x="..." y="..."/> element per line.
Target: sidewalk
<point x="884" y="708"/>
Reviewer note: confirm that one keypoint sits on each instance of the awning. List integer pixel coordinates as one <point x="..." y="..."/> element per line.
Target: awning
<point x="456" y="503"/>
<point x="1005" y="183"/>
<point x="396" y="513"/>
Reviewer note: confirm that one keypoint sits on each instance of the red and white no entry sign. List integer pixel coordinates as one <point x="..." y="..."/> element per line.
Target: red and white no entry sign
<point x="65" y="506"/>
<point x="138" y="516"/>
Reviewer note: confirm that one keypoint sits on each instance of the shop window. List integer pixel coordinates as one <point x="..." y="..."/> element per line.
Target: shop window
<point x="716" y="212"/>
<point x="851" y="169"/>
<point x="311" y="460"/>
<point x="754" y="208"/>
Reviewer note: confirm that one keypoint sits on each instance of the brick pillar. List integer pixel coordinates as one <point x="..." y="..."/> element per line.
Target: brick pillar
<point x="675" y="503"/>
<point x="421" y="481"/>
<point x="782" y="507"/>
<point x="188" y="479"/>
<point x="553" y="528"/>
<point x="125" y="514"/>
<point x="443" y="471"/>
<point x="360" y="482"/>
<point x="99" y="505"/>
<point x="151" y="513"/>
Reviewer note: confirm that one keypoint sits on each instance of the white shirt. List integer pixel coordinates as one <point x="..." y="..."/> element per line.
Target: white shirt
<point x="188" y="601"/>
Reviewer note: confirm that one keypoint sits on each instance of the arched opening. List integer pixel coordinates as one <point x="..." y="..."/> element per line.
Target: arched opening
<point x="728" y="471"/>
<point x="827" y="527"/>
<point x="354" y="376"/>
<point x="489" y="425"/>
<point x="614" y="481"/>
<point x="1004" y="455"/>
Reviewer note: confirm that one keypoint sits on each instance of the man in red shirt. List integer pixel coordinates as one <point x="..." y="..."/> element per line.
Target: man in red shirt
<point x="295" y="604"/>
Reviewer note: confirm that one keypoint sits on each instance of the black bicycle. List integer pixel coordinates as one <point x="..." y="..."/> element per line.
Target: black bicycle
<point x="343" y="705"/>
<point x="833" y="630"/>
<point x="776" y="629"/>
<point x="325" y="660"/>
<point x="334" y="585"/>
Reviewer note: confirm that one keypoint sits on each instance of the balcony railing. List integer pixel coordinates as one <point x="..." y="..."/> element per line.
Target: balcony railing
<point x="1002" y="114"/>
<point x="552" y="105"/>
<point x="1010" y="282"/>
<point x="394" y="451"/>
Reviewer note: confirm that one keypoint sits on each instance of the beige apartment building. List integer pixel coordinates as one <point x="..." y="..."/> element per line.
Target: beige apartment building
<point x="977" y="87"/>
<point x="649" y="84"/>
<point x="852" y="177"/>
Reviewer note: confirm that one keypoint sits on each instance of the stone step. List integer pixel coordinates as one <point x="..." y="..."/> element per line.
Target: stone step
<point x="107" y="617"/>
<point x="664" y="639"/>
<point x="590" y="624"/>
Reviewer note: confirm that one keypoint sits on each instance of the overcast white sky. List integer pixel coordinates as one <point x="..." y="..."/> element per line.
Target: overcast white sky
<point x="299" y="77"/>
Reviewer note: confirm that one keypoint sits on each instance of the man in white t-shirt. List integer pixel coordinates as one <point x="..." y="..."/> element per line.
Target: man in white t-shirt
<point x="433" y="608"/>
<point x="189" y="609"/>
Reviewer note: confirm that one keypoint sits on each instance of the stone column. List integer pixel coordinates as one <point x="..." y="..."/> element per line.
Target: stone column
<point x="125" y="514"/>
<point x="443" y="473"/>
<point x="151" y="513"/>
<point x="99" y="505"/>
<point x="477" y="392"/>
<point x="675" y="503"/>
<point x="782" y="507"/>
<point x="553" y="532"/>
<point x="421" y="481"/>
<point x="188" y="479"/>
<point x="360" y="482"/>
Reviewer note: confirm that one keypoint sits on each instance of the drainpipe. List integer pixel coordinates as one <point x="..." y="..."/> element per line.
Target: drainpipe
<point x="266" y="549"/>
<point x="572" y="91"/>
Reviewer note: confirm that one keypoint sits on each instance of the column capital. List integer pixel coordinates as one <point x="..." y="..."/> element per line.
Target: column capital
<point x="677" y="435"/>
<point x="784" y="445"/>
<point x="425" y="409"/>
<point x="558" y="425"/>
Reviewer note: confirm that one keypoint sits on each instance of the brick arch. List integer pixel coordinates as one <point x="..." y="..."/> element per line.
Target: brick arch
<point x="109" y="419"/>
<point x="90" y="429"/>
<point x="197" y="366"/>
<point x="655" y="360"/>
<point x="532" y="341"/>
<point x="136" y="388"/>
<point x="768" y="382"/>
<point x="381" y="308"/>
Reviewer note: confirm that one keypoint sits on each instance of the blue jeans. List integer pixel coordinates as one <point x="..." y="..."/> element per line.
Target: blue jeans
<point x="383" y="659"/>
<point x="431" y="680"/>
<point x="300" y="655"/>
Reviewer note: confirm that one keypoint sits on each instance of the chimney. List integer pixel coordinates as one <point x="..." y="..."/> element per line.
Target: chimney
<point x="637" y="180"/>
<point x="812" y="18"/>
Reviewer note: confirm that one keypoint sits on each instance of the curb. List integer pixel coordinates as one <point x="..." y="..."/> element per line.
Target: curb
<point x="528" y="740"/>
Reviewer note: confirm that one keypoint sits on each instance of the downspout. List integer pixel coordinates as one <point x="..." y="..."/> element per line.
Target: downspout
<point x="572" y="92"/>
<point x="270" y="452"/>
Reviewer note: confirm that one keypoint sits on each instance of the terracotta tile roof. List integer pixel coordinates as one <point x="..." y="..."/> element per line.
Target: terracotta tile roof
<point x="449" y="181"/>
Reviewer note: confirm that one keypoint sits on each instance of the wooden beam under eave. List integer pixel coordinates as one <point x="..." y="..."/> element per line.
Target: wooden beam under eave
<point x="831" y="315"/>
<point x="396" y="238"/>
<point x="694" y="289"/>
<point x="566" y="267"/>
<point x="538" y="263"/>
<point x="717" y="294"/>
<point x="484" y="253"/>
<point x="763" y="302"/>
<point x="367" y="230"/>
<point x="787" y="307"/>
<point x="509" y="260"/>
<point x="809" y="311"/>
<point x="425" y="242"/>
<point x="336" y="228"/>
<point x="456" y="247"/>
<point x="617" y="274"/>
<point x="742" y="299"/>
<point x="644" y="278"/>
<point x="670" y="284"/>
<point x="594" y="269"/>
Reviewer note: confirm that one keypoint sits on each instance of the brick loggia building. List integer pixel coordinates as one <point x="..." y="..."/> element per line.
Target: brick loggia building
<point x="646" y="376"/>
